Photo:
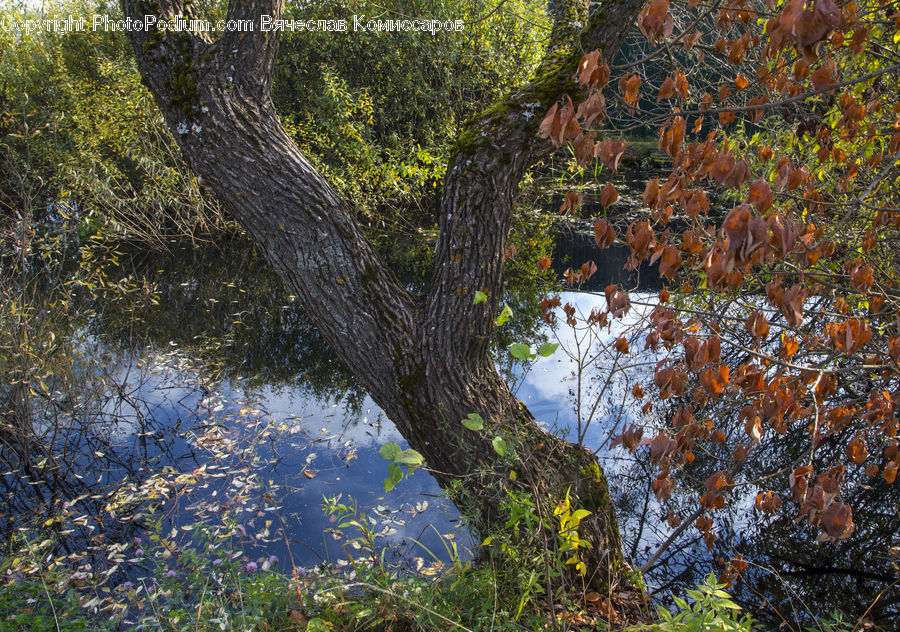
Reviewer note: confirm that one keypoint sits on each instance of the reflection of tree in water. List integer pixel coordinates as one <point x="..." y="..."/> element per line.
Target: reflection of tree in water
<point x="790" y="577"/>
<point x="151" y="340"/>
<point x="226" y="304"/>
<point x="73" y="424"/>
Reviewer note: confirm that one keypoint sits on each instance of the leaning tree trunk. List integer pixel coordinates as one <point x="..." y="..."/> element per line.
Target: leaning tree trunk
<point x="424" y="359"/>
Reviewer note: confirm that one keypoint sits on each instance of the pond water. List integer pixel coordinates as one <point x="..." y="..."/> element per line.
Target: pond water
<point x="221" y="405"/>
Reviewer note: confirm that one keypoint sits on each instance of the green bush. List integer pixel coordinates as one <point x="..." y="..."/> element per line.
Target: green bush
<point x="712" y="610"/>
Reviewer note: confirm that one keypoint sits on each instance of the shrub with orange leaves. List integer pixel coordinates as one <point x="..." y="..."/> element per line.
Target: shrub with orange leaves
<point x="788" y="211"/>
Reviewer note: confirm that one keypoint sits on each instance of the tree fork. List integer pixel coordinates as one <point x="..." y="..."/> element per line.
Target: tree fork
<point x="424" y="360"/>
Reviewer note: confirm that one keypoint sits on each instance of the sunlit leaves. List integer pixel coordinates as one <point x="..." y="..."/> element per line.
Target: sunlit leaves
<point x="390" y="451"/>
<point x="717" y="486"/>
<point x="760" y="195"/>
<point x="560" y="124"/>
<point x="667" y="89"/>
<point x="609" y="152"/>
<point x="547" y="349"/>
<point x="398" y="456"/>
<point x="630" y="439"/>
<point x="572" y="201"/>
<point x="836" y="523"/>
<point x="617" y="301"/>
<point x="849" y="336"/>
<point x="757" y="325"/>
<point x="591" y="72"/>
<point x="630" y="89"/>
<point x="714" y="379"/>
<point x="768" y="502"/>
<point x="669" y="261"/>
<point x="504" y="315"/>
<point x="856" y="450"/>
<point x="592" y="110"/>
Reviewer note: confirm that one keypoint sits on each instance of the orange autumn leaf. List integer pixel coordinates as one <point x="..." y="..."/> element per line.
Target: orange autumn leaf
<point x="608" y="196"/>
<point x="836" y="523"/>
<point x="630" y="439"/>
<point x="760" y="195"/>
<point x="789" y="346"/>
<point x="609" y="153"/>
<point x="604" y="233"/>
<point x="714" y="379"/>
<point x="856" y="450"/>
<point x="669" y="261"/>
<point x="822" y="77"/>
<point x="890" y="472"/>
<point x="666" y="90"/>
<point x="632" y="86"/>
<point x="571" y="202"/>
<point x="768" y="502"/>
<point x="654" y="20"/>
<point x="757" y="325"/>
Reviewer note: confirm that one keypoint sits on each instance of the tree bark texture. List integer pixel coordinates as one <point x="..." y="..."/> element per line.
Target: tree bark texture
<point x="424" y="359"/>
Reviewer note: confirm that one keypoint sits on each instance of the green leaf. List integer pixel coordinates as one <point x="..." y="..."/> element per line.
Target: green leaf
<point x="579" y="515"/>
<point x="316" y="625"/>
<point x="480" y="297"/>
<point x="390" y="451"/>
<point x="505" y="315"/>
<point x="473" y="421"/>
<point x="499" y="445"/>
<point x="548" y="349"/>
<point x="395" y="475"/>
<point x="410" y="457"/>
<point x="520" y="351"/>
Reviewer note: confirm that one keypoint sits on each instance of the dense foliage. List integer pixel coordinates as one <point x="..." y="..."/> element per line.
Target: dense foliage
<point x="378" y="111"/>
<point x="80" y="130"/>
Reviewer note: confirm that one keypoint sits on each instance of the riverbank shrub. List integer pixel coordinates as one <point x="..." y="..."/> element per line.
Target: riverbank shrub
<point x="79" y="131"/>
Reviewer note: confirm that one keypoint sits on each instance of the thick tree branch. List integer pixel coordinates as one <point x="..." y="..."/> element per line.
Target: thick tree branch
<point x="483" y="178"/>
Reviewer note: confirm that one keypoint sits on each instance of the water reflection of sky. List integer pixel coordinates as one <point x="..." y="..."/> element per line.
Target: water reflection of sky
<point x="271" y="453"/>
<point x="291" y="449"/>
